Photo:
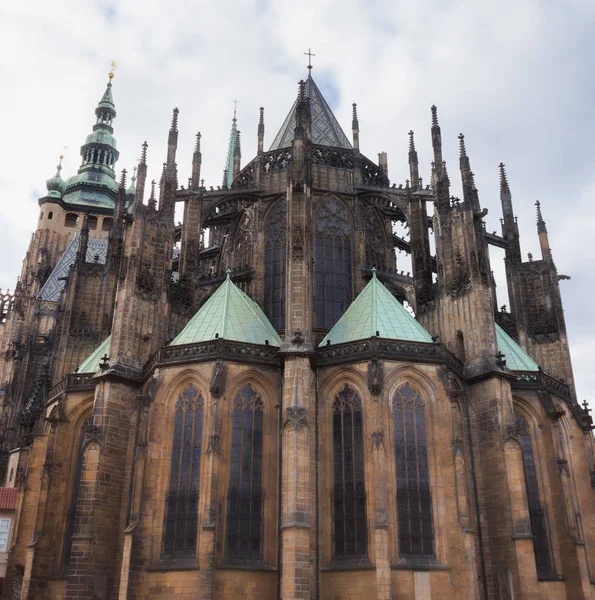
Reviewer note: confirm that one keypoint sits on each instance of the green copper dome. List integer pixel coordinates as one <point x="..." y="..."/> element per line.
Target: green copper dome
<point x="56" y="185"/>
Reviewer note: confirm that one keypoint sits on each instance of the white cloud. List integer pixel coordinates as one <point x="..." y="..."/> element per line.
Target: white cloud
<point x="515" y="77"/>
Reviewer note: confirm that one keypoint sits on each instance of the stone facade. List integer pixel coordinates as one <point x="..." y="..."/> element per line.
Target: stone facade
<point x="368" y="468"/>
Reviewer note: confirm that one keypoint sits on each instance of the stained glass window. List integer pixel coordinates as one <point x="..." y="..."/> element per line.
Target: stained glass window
<point x="349" y="493"/>
<point x="536" y="513"/>
<point x="244" y="496"/>
<point x="274" y="264"/>
<point x="414" y="502"/>
<point x="334" y="281"/>
<point x="74" y="496"/>
<point x="181" y="510"/>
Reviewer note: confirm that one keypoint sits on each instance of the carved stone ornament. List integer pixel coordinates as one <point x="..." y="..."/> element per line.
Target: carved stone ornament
<point x="218" y="379"/>
<point x="377" y="440"/>
<point x="297" y="244"/>
<point x="298" y="338"/>
<point x="213" y="447"/>
<point x="297" y="416"/>
<point x="375" y="377"/>
<point x="91" y="432"/>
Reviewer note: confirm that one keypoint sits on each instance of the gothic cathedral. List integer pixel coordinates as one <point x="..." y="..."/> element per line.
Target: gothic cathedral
<point x="243" y="406"/>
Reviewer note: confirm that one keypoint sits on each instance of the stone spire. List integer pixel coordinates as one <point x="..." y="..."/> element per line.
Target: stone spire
<point x="510" y="230"/>
<point x="544" y="243"/>
<point x="229" y="162"/>
<point x="196" y="164"/>
<point x="261" y="131"/>
<point x="413" y="162"/>
<point x="355" y="128"/>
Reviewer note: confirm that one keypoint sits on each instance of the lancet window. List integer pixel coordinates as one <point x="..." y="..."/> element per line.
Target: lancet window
<point x="414" y="502"/>
<point x="349" y="492"/>
<point x="74" y="495"/>
<point x="274" y="264"/>
<point x="543" y="560"/>
<point x="181" y="511"/>
<point x="244" y="517"/>
<point x="334" y="280"/>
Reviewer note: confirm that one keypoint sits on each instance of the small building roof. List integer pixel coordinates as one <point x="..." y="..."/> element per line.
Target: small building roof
<point x="516" y="358"/>
<point x="91" y="363"/>
<point x="229" y="314"/>
<point x="376" y="312"/>
<point x="8" y="498"/>
<point x="324" y="130"/>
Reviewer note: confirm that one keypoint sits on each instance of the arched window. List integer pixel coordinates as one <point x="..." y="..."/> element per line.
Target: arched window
<point x="244" y="496"/>
<point x="70" y="220"/>
<point x="74" y="494"/>
<point x="50" y="215"/>
<point x="541" y="545"/>
<point x="275" y="258"/>
<point x="414" y="502"/>
<point x="349" y="492"/>
<point x="333" y="263"/>
<point x="181" y="511"/>
<point x="375" y="240"/>
<point x="106" y="225"/>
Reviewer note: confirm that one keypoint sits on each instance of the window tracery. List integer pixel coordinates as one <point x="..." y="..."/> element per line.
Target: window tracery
<point x="181" y="511"/>
<point x="414" y="502"/>
<point x="244" y="517"/>
<point x="274" y="264"/>
<point x="349" y="493"/>
<point x="334" y="285"/>
<point x="543" y="561"/>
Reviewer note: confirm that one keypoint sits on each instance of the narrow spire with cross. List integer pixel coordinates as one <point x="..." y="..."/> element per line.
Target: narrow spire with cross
<point x="235" y="108"/>
<point x="309" y="54"/>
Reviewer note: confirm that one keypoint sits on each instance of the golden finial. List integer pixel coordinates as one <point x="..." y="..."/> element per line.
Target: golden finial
<point x="111" y="72"/>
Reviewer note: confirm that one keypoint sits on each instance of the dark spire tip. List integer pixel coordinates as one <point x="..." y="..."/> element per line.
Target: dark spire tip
<point x="462" y="149"/>
<point x="434" y="116"/>
<point x="174" y="120"/>
<point x="411" y="141"/>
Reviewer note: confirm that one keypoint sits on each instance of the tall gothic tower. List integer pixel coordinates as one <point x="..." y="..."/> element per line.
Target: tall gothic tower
<point x="243" y="405"/>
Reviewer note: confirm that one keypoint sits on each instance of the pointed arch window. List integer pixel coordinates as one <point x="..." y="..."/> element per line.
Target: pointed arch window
<point x="334" y="281"/>
<point x="75" y="493"/>
<point x="245" y="497"/>
<point x="275" y="258"/>
<point x="543" y="561"/>
<point x="414" y="502"/>
<point x="181" y="510"/>
<point x="349" y="492"/>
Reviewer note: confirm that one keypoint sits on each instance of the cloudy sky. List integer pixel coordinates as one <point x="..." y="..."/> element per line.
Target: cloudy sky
<point x="515" y="76"/>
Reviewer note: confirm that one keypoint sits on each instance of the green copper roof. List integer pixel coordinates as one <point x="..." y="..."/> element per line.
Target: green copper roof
<point x="516" y="358"/>
<point x="376" y="310"/>
<point x="229" y="314"/>
<point x="324" y="127"/>
<point x="56" y="185"/>
<point x="231" y="151"/>
<point x="91" y="363"/>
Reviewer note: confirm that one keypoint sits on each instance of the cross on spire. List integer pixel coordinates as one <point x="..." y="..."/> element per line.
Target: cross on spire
<point x="235" y="107"/>
<point x="309" y="54"/>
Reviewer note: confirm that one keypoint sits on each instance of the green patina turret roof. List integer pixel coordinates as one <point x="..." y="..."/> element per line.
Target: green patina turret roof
<point x="91" y="363"/>
<point x="324" y="127"/>
<point x="231" y="315"/>
<point x="516" y="358"/>
<point x="56" y="185"/>
<point x="376" y="310"/>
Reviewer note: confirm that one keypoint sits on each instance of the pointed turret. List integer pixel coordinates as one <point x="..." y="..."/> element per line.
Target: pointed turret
<point x="172" y="140"/>
<point x="141" y="176"/>
<point x="467" y="177"/>
<point x="229" y="162"/>
<point x="355" y="128"/>
<point x="237" y="156"/>
<point x="413" y="162"/>
<point x="261" y="131"/>
<point x="152" y="203"/>
<point x="440" y="180"/>
<point x="544" y="243"/>
<point x="196" y="164"/>
<point x="510" y="230"/>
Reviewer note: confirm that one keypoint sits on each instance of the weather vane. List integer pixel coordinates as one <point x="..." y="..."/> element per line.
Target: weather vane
<point x="111" y="72"/>
<point x="309" y="54"/>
